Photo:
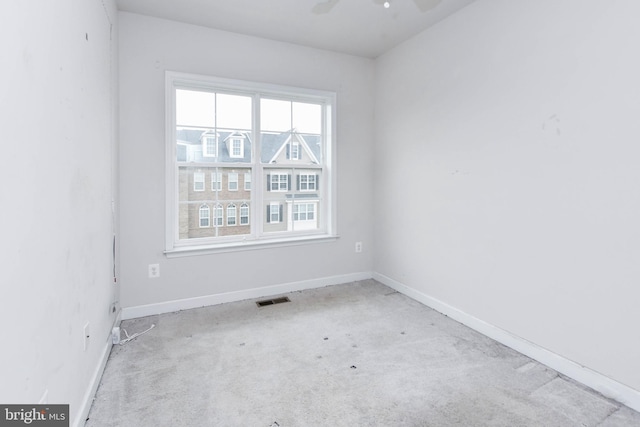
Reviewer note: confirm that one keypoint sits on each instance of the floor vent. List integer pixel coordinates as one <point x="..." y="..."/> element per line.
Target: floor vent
<point x="273" y="301"/>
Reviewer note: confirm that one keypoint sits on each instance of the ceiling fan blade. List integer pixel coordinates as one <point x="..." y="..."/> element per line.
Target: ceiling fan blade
<point x="426" y="5"/>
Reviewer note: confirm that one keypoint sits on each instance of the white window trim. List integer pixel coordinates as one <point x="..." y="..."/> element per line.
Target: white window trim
<point x="229" y="181"/>
<point x="247" y="175"/>
<point x="327" y="229"/>
<point x="315" y="179"/>
<point x="232" y="208"/>
<point x="277" y="207"/>
<point x="239" y="140"/>
<point x="306" y="204"/>
<point x="199" y="181"/>
<point x="248" y="216"/>
<point x="218" y="221"/>
<point x="208" y="217"/>
<point x="295" y="144"/>
<point x="216" y="181"/>
<point x="205" y="146"/>
<point x="279" y="188"/>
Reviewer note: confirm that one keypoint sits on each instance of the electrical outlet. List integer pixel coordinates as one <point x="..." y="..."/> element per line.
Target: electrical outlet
<point x="358" y="247"/>
<point x="87" y="335"/>
<point x="115" y="335"/>
<point x="154" y="271"/>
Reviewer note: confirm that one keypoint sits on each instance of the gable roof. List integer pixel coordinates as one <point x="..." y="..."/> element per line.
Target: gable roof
<point x="307" y="141"/>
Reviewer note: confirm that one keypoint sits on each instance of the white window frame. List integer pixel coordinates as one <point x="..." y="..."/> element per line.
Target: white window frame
<point x="296" y="145"/>
<point x="308" y="175"/>
<point x="232" y="177"/>
<point x="274" y="212"/>
<point x="243" y="207"/>
<point x="205" y="146"/>
<point x="232" y="146"/>
<point x="201" y="209"/>
<point x="216" y="181"/>
<point x="218" y="215"/>
<point x="279" y="184"/>
<point x="297" y="213"/>
<point x="232" y="213"/>
<point x="198" y="181"/>
<point x="247" y="181"/>
<point x="258" y="236"/>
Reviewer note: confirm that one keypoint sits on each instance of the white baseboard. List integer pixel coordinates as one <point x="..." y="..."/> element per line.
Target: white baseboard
<point x="601" y="383"/>
<point x="207" y="300"/>
<point x="87" y="401"/>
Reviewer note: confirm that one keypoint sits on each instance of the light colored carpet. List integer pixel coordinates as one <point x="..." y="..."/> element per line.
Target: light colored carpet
<point x="357" y="354"/>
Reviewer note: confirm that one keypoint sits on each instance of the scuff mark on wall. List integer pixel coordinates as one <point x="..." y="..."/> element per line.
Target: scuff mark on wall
<point x="552" y="125"/>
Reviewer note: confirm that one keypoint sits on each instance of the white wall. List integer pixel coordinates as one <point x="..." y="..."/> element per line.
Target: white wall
<point x="148" y="47"/>
<point x="507" y="173"/>
<point x="57" y="109"/>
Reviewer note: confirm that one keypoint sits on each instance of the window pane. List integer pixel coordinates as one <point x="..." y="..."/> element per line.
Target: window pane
<point x="232" y="213"/>
<point x="212" y="211"/>
<point x="291" y="148"/>
<point x="307" y="118"/>
<point x="234" y="146"/>
<point x="204" y="216"/>
<point x="282" y="116"/>
<point x="198" y="181"/>
<point x="278" y="186"/>
<point x="234" y="112"/>
<point x="311" y="151"/>
<point x="286" y="206"/>
<point x="194" y="108"/>
<point x="233" y="181"/>
<point x="275" y="115"/>
<point x="244" y="214"/>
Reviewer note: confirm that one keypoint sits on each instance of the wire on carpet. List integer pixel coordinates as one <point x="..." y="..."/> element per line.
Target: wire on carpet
<point x="136" y="335"/>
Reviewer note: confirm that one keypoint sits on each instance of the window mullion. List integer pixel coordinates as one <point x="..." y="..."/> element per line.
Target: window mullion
<point x="257" y="182"/>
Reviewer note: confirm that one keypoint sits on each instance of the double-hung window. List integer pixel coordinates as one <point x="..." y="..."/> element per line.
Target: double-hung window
<point x="198" y="181"/>
<point x="278" y="182"/>
<point x="233" y="181"/>
<point x="204" y="216"/>
<point x="216" y="181"/>
<point x="217" y="215"/>
<point x="269" y="153"/>
<point x="307" y="182"/>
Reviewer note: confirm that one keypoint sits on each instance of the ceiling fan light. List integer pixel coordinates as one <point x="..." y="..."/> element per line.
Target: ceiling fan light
<point x="386" y="4"/>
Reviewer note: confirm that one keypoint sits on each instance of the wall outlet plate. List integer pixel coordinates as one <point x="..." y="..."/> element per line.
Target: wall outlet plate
<point x="154" y="271"/>
<point x="115" y="335"/>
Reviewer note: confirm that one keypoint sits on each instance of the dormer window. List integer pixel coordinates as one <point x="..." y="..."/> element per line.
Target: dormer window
<point x="293" y="151"/>
<point x="210" y="146"/>
<point x="237" y="148"/>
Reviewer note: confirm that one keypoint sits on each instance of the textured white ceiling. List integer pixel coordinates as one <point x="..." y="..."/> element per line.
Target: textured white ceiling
<point x="357" y="27"/>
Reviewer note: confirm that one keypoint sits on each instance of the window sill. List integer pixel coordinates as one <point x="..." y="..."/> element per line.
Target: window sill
<point x="185" y="251"/>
